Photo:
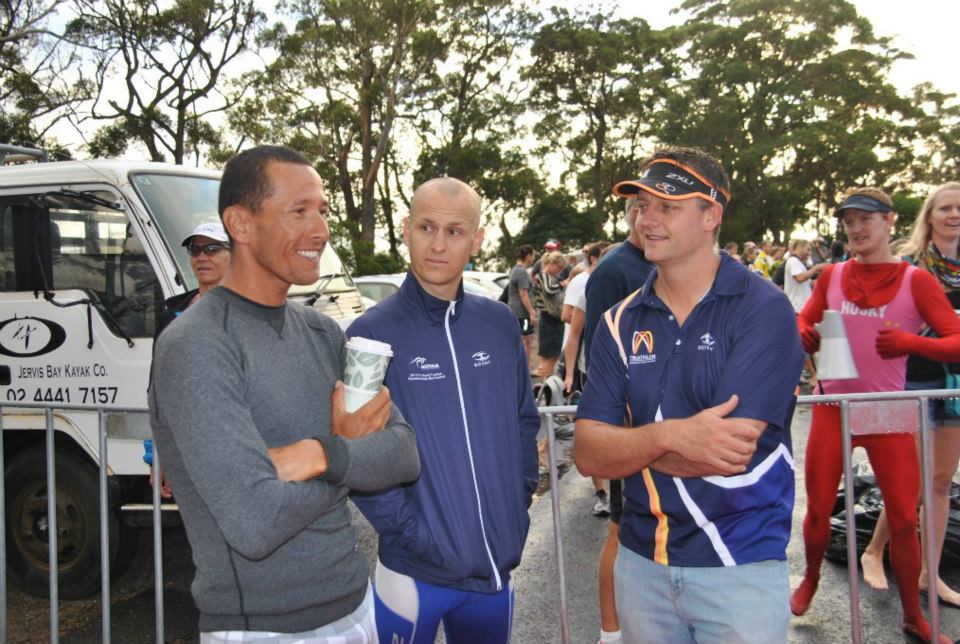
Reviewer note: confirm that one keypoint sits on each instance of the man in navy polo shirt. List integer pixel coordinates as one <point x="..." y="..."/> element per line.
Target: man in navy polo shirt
<point x="707" y="459"/>
<point x="619" y="273"/>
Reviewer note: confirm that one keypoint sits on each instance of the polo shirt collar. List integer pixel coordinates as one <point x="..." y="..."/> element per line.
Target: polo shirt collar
<point x="731" y="279"/>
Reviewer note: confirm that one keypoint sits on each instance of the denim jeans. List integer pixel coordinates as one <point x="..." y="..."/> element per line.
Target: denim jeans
<point x="658" y="604"/>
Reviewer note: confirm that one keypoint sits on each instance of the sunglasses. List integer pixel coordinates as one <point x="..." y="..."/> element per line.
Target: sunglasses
<point x="208" y="249"/>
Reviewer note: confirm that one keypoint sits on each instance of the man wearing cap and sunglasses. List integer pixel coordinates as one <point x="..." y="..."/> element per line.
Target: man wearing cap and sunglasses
<point x="706" y="455"/>
<point x="209" y="249"/>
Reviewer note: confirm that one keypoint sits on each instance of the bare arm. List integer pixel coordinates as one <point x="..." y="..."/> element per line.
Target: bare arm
<point x="809" y="274"/>
<point x="702" y="445"/>
<point x="525" y="299"/>
<point x="577" y="318"/>
<point x="567" y="313"/>
<point x="673" y="464"/>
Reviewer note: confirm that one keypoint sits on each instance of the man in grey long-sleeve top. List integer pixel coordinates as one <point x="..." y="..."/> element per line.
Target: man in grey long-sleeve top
<point x="247" y="413"/>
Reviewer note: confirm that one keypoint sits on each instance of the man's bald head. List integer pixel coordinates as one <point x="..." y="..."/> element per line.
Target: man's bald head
<point x="446" y="189"/>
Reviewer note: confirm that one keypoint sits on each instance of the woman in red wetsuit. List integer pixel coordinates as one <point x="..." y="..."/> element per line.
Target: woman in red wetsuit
<point x="884" y="302"/>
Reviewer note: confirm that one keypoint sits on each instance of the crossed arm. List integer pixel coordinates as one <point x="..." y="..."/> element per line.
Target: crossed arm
<point x="706" y="444"/>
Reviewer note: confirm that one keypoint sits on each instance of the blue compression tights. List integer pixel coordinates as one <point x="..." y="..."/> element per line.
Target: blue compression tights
<point x="410" y="611"/>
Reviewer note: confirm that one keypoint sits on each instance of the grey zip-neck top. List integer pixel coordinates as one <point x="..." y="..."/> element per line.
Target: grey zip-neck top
<point x="232" y="378"/>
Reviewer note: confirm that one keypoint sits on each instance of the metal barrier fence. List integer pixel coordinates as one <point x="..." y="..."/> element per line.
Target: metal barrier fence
<point x="115" y="420"/>
<point x="860" y="414"/>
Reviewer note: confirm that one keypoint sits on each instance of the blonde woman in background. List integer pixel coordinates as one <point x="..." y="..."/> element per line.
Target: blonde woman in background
<point x="550" y="309"/>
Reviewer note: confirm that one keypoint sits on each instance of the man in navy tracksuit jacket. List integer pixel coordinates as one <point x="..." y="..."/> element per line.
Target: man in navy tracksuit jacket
<point x="459" y="375"/>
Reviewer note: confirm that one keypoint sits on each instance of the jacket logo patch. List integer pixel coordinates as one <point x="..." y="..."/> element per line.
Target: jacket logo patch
<point x="481" y="359"/>
<point x="424" y="370"/>
<point x="422" y="363"/>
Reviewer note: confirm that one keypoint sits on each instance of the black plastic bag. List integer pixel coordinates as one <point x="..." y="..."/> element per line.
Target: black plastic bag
<point x="867" y="508"/>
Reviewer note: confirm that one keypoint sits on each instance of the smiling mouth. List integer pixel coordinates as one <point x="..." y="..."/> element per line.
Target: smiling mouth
<point x="312" y="255"/>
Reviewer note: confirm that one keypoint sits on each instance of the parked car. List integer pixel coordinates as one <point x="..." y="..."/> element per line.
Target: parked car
<point x="491" y="279"/>
<point x="378" y="287"/>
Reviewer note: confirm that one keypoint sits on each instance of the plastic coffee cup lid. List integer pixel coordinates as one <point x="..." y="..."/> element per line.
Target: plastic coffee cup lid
<point x="370" y="346"/>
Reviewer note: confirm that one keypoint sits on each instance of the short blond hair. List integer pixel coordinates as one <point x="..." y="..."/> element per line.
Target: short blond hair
<point x="553" y="258"/>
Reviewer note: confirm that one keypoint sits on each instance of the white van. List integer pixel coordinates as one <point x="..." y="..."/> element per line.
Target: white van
<point x="89" y="250"/>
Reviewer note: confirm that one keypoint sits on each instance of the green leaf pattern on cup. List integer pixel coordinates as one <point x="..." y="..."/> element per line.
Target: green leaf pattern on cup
<point x="365" y="370"/>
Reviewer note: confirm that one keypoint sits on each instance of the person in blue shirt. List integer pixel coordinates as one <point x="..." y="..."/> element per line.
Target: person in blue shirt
<point x="707" y="454"/>
<point x="620" y="272"/>
<point x="449" y="541"/>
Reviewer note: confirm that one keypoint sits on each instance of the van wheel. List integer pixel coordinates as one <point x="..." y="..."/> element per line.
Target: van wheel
<point x="78" y="525"/>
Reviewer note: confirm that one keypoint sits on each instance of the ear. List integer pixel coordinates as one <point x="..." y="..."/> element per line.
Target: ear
<point x="236" y="219"/>
<point x="714" y="216"/>
<point x="477" y="240"/>
<point x="406" y="231"/>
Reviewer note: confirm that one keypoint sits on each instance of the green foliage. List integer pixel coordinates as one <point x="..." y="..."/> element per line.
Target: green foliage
<point x="907" y="207"/>
<point x="556" y="216"/>
<point x="367" y="262"/>
<point x="595" y="81"/>
<point x="794" y="112"/>
<point x="167" y="60"/>
<point x="37" y="90"/>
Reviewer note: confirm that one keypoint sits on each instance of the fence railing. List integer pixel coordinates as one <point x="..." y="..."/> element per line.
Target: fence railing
<point x="859" y="414"/>
<point x="116" y="422"/>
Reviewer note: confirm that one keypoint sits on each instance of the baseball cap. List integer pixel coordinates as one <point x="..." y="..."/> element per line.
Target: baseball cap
<point x="212" y="229"/>
<point x="862" y="202"/>
<point x="552" y="244"/>
<point x="669" y="179"/>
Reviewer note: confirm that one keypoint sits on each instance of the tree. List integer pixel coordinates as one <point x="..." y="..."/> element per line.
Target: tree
<point x="792" y="97"/>
<point x="594" y="82"/>
<point x="159" y="67"/>
<point x="555" y="217"/>
<point x="37" y="89"/>
<point x="936" y="132"/>
<point x="466" y="118"/>
<point x="334" y="91"/>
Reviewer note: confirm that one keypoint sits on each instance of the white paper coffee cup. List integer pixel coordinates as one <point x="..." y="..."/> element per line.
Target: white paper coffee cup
<point x="367" y="362"/>
<point x="354" y="399"/>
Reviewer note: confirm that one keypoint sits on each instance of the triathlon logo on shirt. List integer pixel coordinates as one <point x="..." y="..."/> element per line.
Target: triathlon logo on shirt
<point x="481" y="359"/>
<point x="642" y="340"/>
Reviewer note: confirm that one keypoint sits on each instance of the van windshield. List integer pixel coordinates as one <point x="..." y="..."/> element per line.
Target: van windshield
<point x="180" y="202"/>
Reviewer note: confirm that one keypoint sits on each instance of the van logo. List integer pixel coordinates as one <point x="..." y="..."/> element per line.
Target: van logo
<point x="29" y="336"/>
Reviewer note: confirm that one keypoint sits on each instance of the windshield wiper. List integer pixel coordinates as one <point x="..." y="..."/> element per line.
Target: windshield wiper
<point x="318" y="292"/>
<point x="87" y="197"/>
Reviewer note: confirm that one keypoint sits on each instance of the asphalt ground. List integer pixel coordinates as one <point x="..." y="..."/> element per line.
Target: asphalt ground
<point x="537" y="610"/>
